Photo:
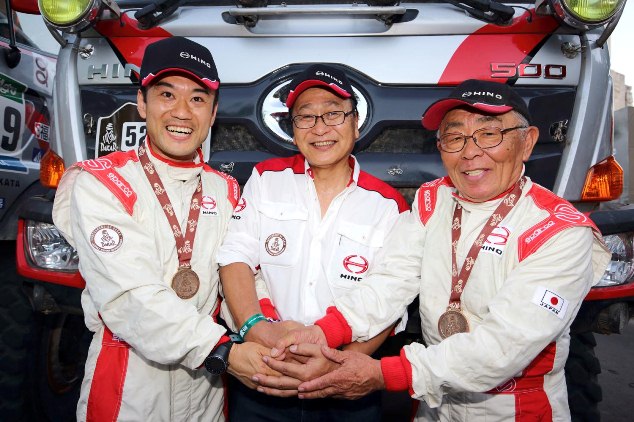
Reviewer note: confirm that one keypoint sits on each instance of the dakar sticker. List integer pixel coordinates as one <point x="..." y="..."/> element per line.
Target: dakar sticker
<point x="106" y="238"/>
<point x="275" y="244"/>
<point x="550" y="301"/>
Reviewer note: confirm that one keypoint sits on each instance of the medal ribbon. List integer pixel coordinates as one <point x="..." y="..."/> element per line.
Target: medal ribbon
<point x="184" y="239"/>
<point x="459" y="280"/>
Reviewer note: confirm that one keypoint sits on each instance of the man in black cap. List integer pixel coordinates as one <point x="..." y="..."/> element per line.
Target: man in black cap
<point x="309" y="226"/>
<point x="500" y="264"/>
<point x="146" y="224"/>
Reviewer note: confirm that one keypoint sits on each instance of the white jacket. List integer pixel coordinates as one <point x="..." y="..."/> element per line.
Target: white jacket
<point x="148" y="343"/>
<point x="304" y="259"/>
<point x="526" y="287"/>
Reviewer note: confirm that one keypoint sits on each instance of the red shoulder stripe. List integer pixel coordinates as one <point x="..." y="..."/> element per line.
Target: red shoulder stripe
<point x="371" y="183"/>
<point x="103" y="169"/>
<point x="296" y="163"/>
<point x="233" y="188"/>
<point x="427" y="195"/>
<point x="562" y="215"/>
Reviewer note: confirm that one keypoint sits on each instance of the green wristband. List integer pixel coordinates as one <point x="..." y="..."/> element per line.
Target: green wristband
<point x="254" y="319"/>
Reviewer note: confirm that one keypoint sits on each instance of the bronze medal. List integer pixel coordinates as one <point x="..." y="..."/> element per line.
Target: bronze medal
<point x="452" y="322"/>
<point x="185" y="283"/>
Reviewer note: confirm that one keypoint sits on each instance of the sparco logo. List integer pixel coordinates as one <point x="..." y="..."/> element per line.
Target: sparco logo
<point x="482" y="94"/>
<point x="186" y="55"/>
<point x="320" y="73"/>
<point x="125" y="189"/>
<point x="538" y="231"/>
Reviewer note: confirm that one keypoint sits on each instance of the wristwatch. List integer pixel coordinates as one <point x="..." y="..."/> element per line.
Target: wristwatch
<point x="217" y="361"/>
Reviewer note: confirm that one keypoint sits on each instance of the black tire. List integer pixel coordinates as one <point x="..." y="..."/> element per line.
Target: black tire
<point x="582" y="368"/>
<point x="16" y="321"/>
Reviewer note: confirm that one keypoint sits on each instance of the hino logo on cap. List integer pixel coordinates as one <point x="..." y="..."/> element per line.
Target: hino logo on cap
<point x="320" y="73"/>
<point x="186" y="55"/>
<point x="482" y="94"/>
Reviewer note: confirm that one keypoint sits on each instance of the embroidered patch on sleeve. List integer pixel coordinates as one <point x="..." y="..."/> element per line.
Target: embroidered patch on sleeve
<point x="550" y="301"/>
<point x="106" y="238"/>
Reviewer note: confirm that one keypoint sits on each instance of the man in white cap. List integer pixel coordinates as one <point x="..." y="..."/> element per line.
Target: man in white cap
<point x="310" y="226"/>
<point x="501" y="266"/>
<point x="147" y="254"/>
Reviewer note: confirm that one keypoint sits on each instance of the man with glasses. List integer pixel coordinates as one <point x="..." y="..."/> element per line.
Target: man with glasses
<point x="310" y="226"/>
<point x="500" y="264"/>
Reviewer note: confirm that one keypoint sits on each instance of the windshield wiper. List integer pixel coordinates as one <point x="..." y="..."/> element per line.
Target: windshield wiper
<point x="487" y="10"/>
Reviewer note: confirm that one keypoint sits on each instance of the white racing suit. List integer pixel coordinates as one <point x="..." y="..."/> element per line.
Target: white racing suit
<point x="148" y="344"/>
<point x="525" y="289"/>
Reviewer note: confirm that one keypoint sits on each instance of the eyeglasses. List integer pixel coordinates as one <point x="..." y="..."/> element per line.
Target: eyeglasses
<point x="332" y="118"/>
<point x="484" y="138"/>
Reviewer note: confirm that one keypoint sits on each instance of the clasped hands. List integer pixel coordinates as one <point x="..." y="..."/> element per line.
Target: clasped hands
<point x="301" y="364"/>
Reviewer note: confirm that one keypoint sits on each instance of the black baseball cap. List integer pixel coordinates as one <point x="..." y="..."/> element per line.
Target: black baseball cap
<point x="489" y="97"/>
<point x="181" y="55"/>
<point x="320" y="75"/>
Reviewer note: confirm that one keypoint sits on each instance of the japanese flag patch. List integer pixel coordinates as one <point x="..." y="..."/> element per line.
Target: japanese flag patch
<point x="550" y="301"/>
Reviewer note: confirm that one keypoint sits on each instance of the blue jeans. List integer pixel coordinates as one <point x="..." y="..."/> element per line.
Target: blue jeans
<point x="246" y="405"/>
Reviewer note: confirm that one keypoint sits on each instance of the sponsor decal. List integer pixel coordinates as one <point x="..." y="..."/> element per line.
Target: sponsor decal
<point x="551" y="301"/>
<point x="355" y="264"/>
<point x="328" y="75"/>
<point x="12" y="112"/>
<point x="539" y="231"/>
<point x="242" y="204"/>
<point x="275" y="244"/>
<point x="507" y="387"/>
<point x="43" y="72"/>
<point x="495" y="244"/>
<point x="569" y="214"/>
<point x="14" y="165"/>
<point x="208" y="205"/>
<point x="41" y="131"/>
<point x="187" y="55"/>
<point x="106" y="238"/>
<point x="37" y="155"/>
<point x="123" y="130"/>
<point x="482" y="94"/>
<point x="9" y="183"/>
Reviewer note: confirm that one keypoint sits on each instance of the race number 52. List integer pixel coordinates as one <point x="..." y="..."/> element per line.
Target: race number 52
<point x="133" y="135"/>
<point x="11" y="114"/>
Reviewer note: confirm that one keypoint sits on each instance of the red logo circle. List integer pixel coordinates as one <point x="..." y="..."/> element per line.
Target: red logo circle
<point x="208" y="203"/>
<point x="355" y="264"/>
<point x="554" y="300"/>
<point x="242" y="204"/>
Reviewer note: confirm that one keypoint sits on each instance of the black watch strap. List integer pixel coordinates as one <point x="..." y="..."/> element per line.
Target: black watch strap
<point x="218" y="360"/>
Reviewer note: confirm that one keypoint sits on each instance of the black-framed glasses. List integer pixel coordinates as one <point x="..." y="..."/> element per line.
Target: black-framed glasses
<point x="332" y="118"/>
<point x="484" y="138"/>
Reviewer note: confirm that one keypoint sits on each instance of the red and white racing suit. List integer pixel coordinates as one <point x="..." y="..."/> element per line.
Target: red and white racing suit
<point x="304" y="259"/>
<point x="525" y="289"/>
<point x="148" y="343"/>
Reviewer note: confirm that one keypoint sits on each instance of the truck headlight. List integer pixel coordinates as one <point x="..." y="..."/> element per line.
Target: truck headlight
<point x="621" y="268"/>
<point x="70" y="15"/>
<point x="48" y="249"/>
<point x="586" y="14"/>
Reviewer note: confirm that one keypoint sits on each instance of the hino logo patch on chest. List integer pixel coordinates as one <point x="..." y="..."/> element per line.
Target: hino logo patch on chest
<point x="495" y="244"/>
<point x="550" y="301"/>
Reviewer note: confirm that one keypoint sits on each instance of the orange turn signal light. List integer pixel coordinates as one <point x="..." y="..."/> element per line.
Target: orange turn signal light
<point x="51" y="169"/>
<point x="604" y="181"/>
